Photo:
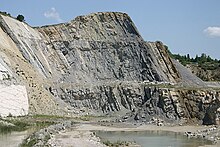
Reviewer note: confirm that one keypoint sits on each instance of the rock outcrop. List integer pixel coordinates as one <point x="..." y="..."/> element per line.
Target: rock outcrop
<point x="205" y="74"/>
<point x="98" y="64"/>
<point x="143" y="102"/>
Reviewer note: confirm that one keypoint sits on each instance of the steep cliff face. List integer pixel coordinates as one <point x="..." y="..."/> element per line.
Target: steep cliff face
<point x="97" y="47"/>
<point x="102" y="47"/>
<point x="97" y="64"/>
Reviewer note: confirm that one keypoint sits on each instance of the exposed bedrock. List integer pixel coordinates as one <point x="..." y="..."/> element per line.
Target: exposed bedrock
<point x="100" y="47"/>
<point x="104" y="47"/>
<point x="99" y="64"/>
<point x="144" y="102"/>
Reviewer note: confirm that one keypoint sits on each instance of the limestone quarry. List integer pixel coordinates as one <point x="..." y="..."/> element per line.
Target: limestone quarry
<point x="98" y="65"/>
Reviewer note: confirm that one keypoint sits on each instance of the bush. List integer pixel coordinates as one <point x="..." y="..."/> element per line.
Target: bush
<point x="5" y="13"/>
<point x="20" y="18"/>
<point x="17" y="126"/>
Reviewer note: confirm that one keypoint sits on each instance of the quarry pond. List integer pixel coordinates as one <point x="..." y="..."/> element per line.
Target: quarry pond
<point x="150" y="138"/>
<point x="142" y="138"/>
<point x="12" y="139"/>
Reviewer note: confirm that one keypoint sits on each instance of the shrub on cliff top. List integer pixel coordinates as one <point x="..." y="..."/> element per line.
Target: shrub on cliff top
<point x="5" y="13"/>
<point x="20" y="18"/>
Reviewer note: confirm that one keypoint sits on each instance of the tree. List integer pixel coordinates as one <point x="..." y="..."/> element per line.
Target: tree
<point x="20" y="18"/>
<point x="209" y="59"/>
<point x="203" y="58"/>
<point x="195" y="59"/>
<point x="188" y="57"/>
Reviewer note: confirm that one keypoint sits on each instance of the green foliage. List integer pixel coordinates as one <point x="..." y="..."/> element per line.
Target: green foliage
<point x="39" y="116"/>
<point x="32" y="141"/>
<point x="182" y="59"/>
<point x="116" y="144"/>
<point x="20" y="18"/>
<point x="5" y="13"/>
<point x="17" y="126"/>
<point x="204" y="61"/>
<point x="29" y="142"/>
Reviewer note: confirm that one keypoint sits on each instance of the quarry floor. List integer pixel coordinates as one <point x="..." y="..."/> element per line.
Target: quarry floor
<point x="82" y="135"/>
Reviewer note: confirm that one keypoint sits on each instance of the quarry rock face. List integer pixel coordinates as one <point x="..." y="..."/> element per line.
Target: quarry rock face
<point x="102" y="47"/>
<point x="144" y="102"/>
<point x="99" y="64"/>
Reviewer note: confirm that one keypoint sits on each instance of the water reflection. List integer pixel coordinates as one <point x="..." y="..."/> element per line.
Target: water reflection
<point x="12" y="139"/>
<point x="152" y="138"/>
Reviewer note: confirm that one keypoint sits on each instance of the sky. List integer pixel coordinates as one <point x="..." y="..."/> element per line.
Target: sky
<point x="185" y="26"/>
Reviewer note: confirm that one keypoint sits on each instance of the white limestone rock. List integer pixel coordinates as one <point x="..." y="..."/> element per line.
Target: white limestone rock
<point x="13" y="100"/>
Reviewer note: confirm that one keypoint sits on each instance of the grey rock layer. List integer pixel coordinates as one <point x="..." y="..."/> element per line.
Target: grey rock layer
<point x="102" y="47"/>
<point x="144" y="102"/>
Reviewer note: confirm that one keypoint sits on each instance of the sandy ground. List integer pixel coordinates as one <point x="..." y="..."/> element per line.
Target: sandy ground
<point x="127" y="127"/>
<point x="75" y="139"/>
<point x="81" y="135"/>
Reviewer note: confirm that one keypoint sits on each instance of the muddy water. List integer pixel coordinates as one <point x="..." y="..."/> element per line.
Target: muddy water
<point x="152" y="138"/>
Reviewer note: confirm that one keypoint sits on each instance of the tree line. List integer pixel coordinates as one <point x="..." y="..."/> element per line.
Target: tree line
<point x="204" y="61"/>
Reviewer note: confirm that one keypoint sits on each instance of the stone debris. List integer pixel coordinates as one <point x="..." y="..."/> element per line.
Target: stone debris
<point x="42" y="136"/>
<point x="211" y="133"/>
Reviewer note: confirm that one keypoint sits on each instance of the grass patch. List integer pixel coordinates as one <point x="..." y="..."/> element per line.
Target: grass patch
<point x="32" y="140"/>
<point x="38" y="116"/>
<point x="85" y="117"/>
<point x="29" y="142"/>
<point x="33" y="123"/>
<point x="117" y="143"/>
<point x="14" y="125"/>
<point x="10" y="124"/>
<point x="89" y="117"/>
<point x="42" y="124"/>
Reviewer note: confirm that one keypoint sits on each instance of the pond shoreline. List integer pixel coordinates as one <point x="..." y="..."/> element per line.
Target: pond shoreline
<point x="84" y="131"/>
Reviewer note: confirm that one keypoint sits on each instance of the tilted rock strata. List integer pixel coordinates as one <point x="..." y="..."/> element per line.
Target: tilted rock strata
<point x="102" y="47"/>
<point x="21" y="72"/>
<point x="163" y="61"/>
